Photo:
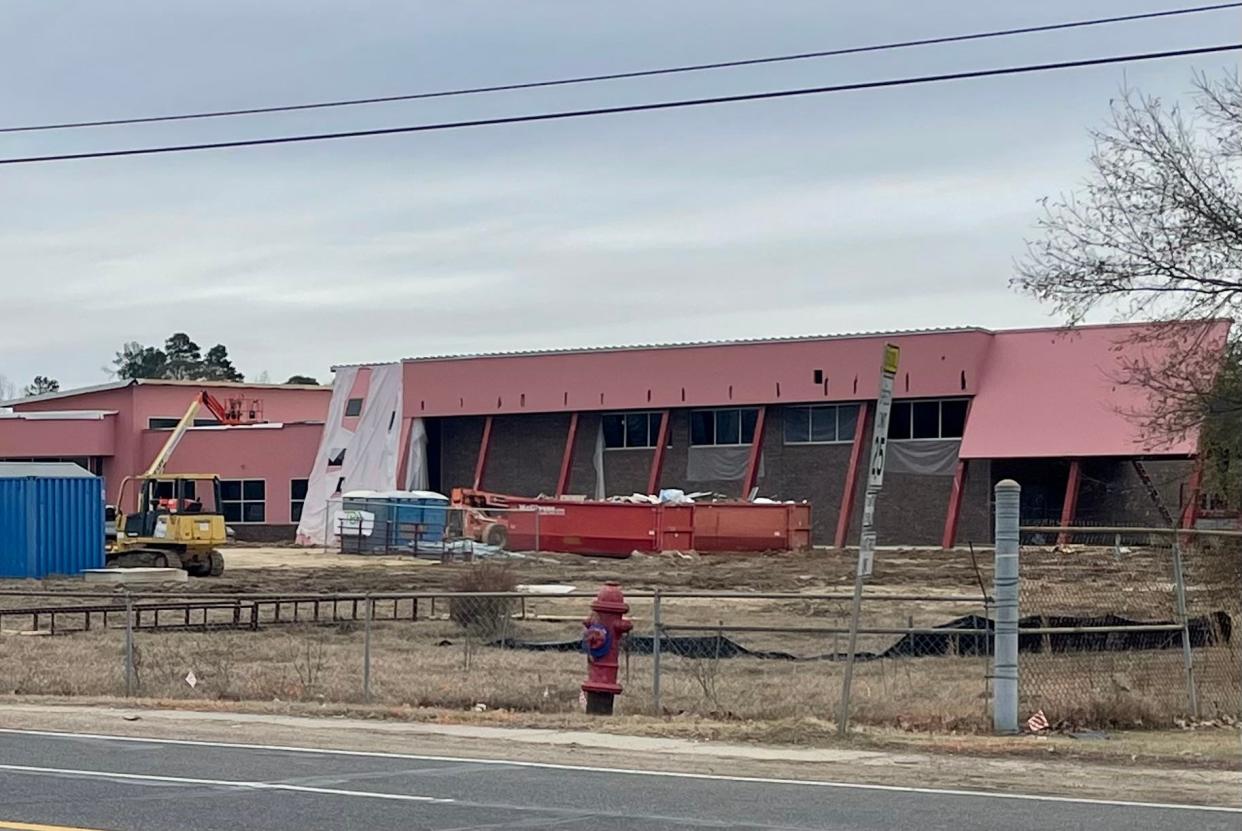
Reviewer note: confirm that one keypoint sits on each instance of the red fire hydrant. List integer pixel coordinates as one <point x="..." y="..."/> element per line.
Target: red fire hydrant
<point x="601" y="641"/>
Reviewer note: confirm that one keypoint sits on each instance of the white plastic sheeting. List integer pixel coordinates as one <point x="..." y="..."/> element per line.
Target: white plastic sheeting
<point x="416" y="477"/>
<point x="370" y="451"/>
<point x="597" y="461"/>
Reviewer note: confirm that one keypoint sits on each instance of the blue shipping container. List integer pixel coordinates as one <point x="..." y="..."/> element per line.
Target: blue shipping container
<point x="50" y="524"/>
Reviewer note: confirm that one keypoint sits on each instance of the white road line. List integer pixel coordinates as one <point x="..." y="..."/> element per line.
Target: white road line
<point x="219" y="783"/>
<point x="713" y="777"/>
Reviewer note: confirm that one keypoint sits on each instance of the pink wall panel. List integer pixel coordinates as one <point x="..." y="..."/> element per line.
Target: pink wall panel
<point x="1049" y="394"/>
<point x="933" y="364"/>
<point x="276" y="455"/>
<point x="69" y="437"/>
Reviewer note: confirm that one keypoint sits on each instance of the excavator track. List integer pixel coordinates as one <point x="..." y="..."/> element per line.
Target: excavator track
<point x="146" y="558"/>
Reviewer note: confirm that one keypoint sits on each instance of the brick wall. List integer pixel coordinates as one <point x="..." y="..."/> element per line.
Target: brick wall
<point x="526" y="454"/>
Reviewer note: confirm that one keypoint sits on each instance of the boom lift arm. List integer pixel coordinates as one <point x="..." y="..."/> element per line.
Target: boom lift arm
<point x="203" y="399"/>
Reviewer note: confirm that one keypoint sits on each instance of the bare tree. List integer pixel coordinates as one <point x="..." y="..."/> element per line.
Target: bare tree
<point x="1155" y="234"/>
<point x="8" y="390"/>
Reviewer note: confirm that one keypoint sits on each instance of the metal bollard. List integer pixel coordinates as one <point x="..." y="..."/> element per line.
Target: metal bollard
<point x="366" y="650"/>
<point x="1005" y="591"/>
<point x="129" y="646"/>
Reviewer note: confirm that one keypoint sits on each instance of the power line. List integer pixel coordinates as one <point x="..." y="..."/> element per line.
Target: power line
<point x="615" y="76"/>
<point x="629" y="108"/>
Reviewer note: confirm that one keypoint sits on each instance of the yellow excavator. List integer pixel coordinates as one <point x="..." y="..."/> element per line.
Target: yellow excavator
<point x="178" y="522"/>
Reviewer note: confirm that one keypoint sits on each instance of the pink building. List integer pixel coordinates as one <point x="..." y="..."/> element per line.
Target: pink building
<point x="116" y="429"/>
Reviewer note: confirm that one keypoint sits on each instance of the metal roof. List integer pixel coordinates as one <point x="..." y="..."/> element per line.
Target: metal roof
<point x="43" y="470"/>
<point x="156" y="382"/>
<point x="640" y="347"/>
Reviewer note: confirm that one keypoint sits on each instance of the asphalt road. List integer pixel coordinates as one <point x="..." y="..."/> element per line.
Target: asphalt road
<point x="74" y="782"/>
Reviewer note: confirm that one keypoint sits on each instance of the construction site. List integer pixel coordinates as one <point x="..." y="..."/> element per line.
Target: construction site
<point x="711" y="512"/>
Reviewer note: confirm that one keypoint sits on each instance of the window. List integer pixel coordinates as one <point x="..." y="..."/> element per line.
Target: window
<point x="353" y="408"/>
<point x="928" y="419"/>
<point x="166" y="423"/>
<point x="820" y="424"/>
<point x="243" y="500"/>
<point x="297" y="498"/>
<point x="717" y="427"/>
<point x="336" y="457"/>
<point x="164" y="490"/>
<point x="627" y="430"/>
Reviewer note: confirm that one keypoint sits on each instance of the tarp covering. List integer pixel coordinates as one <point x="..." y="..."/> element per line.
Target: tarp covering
<point x="933" y="457"/>
<point x="416" y="476"/>
<point x="1204" y="631"/>
<point x="597" y="461"/>
<point x="719" y="464"/>
<point x="370" y="450"/>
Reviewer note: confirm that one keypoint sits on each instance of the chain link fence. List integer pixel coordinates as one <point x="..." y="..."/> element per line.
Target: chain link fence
<point x="1130" y="628"/>
<point x="922" y="660"/>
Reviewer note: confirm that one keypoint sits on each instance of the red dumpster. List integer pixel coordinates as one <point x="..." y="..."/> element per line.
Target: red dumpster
<point x="611" y="529"/>
<point x="721" y="527"/>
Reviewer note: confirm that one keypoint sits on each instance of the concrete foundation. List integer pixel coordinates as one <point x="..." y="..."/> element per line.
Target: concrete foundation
<point x="135" y="575"/>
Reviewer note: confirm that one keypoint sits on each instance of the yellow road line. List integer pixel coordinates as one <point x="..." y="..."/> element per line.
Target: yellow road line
<point x="26" y="826"/>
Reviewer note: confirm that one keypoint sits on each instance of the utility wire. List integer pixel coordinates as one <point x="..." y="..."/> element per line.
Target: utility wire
<point x="629" y="108"/>
<point x="641" y="73"/>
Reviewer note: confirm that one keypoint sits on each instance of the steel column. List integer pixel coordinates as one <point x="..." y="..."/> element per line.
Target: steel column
<point x="756" y="450"/>
<point x="657" y="456"/>
<point x="567" y="458"/>
<point x="851" y="476"/>
<point x="403" y="452"/>
<point x="1190" y="512"/>
<point x="955" y="506"/>
<point x="1070" y="506"/>
<point x="484" y="443"/>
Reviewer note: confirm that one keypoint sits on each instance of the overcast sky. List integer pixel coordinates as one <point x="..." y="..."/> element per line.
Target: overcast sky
<point x="867" y="210"/>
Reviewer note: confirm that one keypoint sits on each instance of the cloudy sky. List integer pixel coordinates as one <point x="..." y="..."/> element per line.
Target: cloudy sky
<point x="859" y="211"/>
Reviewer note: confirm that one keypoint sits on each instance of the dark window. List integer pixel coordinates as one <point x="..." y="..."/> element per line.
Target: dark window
<point x="926" y="420"/>
<point x="818" y="376"/>
<point x="750" y="419"/>
<point x="164" y="490"/>
<point x="823" y="424"/>
<point x="820" y="423"/>
<point x="243" y="500"/>
<point x="723" y="427"/>
<point x="702" y="427"/>
<point x="636" y="430"/>
<point x="847" y="422"/>
<point x="336" y="457"/>
<point x="614" y="430"/>
<point x="622" y="430"/>
<point x="952" y="419"/>
<point x="162" y="423"/>
<point x="297" y="498"/>
<point x="797" y="425"/>
<point x="728" y="427"/>
<point x="899" y="420"/>
<point x="353" y="408"/>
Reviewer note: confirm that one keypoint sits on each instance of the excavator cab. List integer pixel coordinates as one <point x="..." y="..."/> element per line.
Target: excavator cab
<point x="177" y="523"/>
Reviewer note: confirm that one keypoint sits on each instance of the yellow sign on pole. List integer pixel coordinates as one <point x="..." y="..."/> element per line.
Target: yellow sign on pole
<point x="892" y="356"/>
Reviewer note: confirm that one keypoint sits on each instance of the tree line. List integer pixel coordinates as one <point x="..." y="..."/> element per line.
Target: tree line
<point x="179" y="359"/>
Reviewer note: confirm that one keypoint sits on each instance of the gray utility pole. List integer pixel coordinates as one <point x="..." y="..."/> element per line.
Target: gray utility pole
<point x="1005" y="590"/>
<point x="866" y="542"/>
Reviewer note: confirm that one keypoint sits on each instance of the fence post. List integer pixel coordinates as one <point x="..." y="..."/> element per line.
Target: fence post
<point x="366" y="651"/>
<point x="129" y="646"/>
<point x="656" y="627"/>
<point x="1005" y="590"/>
<point x="1188" y="663"/>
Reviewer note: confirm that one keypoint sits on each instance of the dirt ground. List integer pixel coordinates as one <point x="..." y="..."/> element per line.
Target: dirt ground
<point x="434" y="662"/>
